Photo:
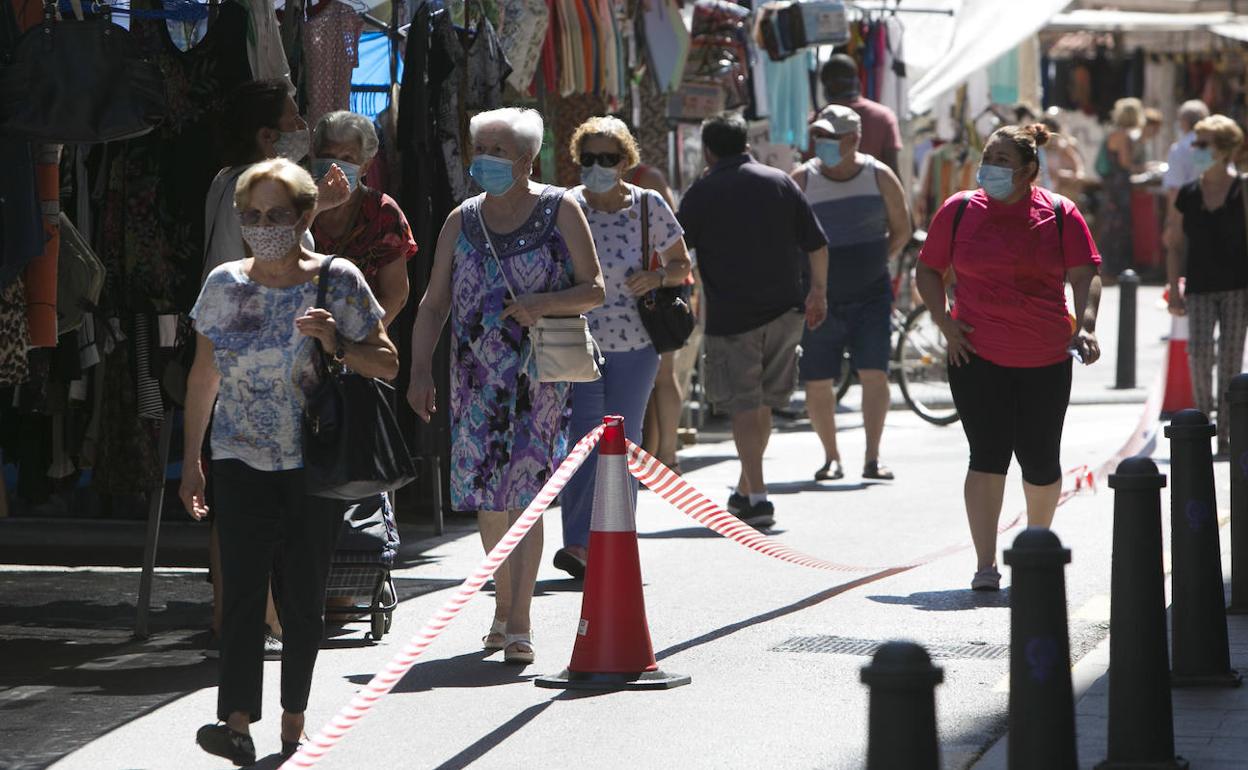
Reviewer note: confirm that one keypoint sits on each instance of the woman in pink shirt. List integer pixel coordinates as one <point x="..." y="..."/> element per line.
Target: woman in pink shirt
<point x="1013" y="247"/>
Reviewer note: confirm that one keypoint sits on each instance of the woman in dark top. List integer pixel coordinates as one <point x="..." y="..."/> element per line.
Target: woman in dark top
<point x="1211" y="212"/>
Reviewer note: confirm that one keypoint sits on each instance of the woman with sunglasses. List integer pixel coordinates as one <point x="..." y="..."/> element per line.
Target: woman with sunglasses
<point x="504" y="259"/>
<point x="257" y="328"/>
<point x="606" y="150"/>
<point x="1215" y="293"/>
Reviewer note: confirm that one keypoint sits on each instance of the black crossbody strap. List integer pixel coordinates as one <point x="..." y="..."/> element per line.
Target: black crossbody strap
<point x="645" y="229"/>
<point x="957" y="219"/>
<point x="322" y="282"/>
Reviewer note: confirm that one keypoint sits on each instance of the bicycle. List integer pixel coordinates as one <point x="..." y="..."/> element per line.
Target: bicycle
<point x="919" y="361"/>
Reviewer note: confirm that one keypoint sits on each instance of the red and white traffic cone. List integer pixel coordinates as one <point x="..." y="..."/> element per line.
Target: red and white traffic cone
<point x="613" y="649"/>
<point x="1178" y="392"/>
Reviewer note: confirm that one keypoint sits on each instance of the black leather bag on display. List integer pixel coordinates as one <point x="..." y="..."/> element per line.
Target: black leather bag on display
<point x="352" y="444"/>
<point x="79" y="81"/>
<point x="665" y="312"/>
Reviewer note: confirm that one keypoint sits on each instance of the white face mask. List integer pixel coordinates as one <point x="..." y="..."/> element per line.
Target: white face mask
<point x="293" y="145"/>
<point x="270" y="243"/>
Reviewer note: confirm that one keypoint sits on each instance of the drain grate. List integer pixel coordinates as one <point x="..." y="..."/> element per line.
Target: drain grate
<point x="841" y="645"/>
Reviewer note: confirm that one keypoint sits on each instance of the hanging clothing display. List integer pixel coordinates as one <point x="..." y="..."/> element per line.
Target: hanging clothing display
<point x="788" y="88"/>
<point x="522" y="37"/>
<point x="331" y="48"/>
<point x="264" y="41"/>
<point x="14" y="334"/>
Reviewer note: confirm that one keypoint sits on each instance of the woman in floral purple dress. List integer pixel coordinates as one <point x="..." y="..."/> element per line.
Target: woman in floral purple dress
<point x="509" y="432"/>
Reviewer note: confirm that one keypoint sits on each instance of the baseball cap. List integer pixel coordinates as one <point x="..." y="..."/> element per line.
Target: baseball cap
<point x="838" y="120"/>
<point x="840" y="77"/>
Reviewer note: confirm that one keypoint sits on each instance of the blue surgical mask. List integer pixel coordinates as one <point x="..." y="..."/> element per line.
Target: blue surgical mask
<point x="828" y="151"/>
<point x="997" y="181"/>
<point x="321" y="167"/>
<point x="495" y="175"/>
<point x="1202" y="159"/>
<point x="598" y="179"/>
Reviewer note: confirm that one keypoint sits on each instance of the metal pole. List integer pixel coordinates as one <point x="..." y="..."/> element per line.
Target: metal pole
<point x="154" y="508"/>
<point x="1128" y="282"/>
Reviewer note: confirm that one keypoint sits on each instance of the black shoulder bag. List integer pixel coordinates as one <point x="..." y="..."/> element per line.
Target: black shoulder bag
<point x="352" y="444"/>
<point x="665" y="312"/>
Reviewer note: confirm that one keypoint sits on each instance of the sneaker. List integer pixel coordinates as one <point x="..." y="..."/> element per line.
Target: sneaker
<point x="272" y="647"/>
<point x="761" y="515"/>
<point x="986" y="580"/>
<point x="738" y="503"/>
<point x="221" y="741"/>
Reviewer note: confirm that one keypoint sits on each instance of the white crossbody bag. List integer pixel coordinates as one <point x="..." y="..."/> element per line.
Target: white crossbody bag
<point x="564" y="348"/>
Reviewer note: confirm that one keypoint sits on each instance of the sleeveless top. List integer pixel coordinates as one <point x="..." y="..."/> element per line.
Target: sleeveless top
<point x="855" y="221"/>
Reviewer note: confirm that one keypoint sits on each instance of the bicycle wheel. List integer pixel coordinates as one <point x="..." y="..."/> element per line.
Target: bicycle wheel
<point x="923" y="362"/>
<point x="846" y="378"/>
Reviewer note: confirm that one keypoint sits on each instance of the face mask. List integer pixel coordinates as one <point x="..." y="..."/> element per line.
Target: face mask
<point x="495" y="175"/>
<point x="321" y="167"/>
<point x="997" y="181"/>
<point x="270" y="244"/>
<point x="598" y="179"/>
<point x="293" y="145"/>
<point x="1202" y="159"/>
<point x="828" y="151"/>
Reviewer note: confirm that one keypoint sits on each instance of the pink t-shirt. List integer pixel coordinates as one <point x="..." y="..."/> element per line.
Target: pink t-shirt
<point x="1011" y="270"/>
<point x="880" y="131"/>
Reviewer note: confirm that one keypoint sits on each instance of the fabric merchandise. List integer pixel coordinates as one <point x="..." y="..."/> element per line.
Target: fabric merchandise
<point x="378" y="236"/>
<point x="265" y="363"/>
<point x="1114" y="231"/>
<point x="864" y="327"/>
<point x="788" y="88"/>
<point x="1228" y="311"/>
<point x="14" y="334"/>
<point x="755" y="368"/>
<point x="21" y="219"/>
<point x="667" y="41"/>
<point x="894" y="85"/>
<point x="616" y="324"/>
<point x="1011" y="265"/>
<point x="653" y="129"/>
<point x="509" y="432"/>
<point x="125" y="457"/>
<point x="331" y="47"/>
<point x="1216" y="240"/>
<point x="265" y="519"/>
<point x="855" y="221"/>
<point x="1018" y="411"/>
<point x="624" y="389"/>
<point x="523" y="33"/>
<point x="752" y="228"/>
<point x="151" y="231"/>
<point x="949" y="169"/>
<point x="41" y="272"/>
<point x="264" y="42"/>
<point x="151" y="405"/>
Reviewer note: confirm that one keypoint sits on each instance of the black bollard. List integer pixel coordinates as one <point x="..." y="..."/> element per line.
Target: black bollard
<point x="902" y="724"/>
<point x="1042" y="702"/>
<point x="1128" y="282"/>
<point x="1141" y="713"/>
<point x="1237" y="394"/>
<point x="1199" y="647"/>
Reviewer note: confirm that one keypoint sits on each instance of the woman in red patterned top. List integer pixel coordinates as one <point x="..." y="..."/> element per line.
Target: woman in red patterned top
<point x="369" y="229"/>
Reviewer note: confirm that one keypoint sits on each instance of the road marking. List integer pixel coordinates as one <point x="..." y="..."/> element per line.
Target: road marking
<point x="22" y="693"/>
<point x="1095" y="610"/>
<point x="113" y="662"/>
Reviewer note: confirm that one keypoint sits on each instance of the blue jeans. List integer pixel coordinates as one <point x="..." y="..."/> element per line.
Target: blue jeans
<point x="623" y="389"/>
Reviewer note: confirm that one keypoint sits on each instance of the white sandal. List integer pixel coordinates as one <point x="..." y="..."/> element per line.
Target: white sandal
<point x="491" y="641"/>
<point x="518" y="649"/>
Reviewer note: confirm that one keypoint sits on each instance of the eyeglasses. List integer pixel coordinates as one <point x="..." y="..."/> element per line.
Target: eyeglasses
<point x="283" y="217"/>
<point x="604" y="159"/>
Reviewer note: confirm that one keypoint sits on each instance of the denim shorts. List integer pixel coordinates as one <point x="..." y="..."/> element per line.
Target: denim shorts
<point x="863" y="327"/>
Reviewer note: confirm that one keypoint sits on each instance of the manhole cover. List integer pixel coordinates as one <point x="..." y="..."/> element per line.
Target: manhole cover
<point x="840" y="645"/>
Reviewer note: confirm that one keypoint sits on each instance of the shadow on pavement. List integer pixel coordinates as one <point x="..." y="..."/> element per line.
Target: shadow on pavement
<point x="798" y="606"/>
<point x="468" y="670"/>
<point x="794" y="487"/>
<point x="686" y="533"/>
<point x="955" y="600"/>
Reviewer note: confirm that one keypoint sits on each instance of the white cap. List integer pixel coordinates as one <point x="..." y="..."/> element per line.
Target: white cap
<point x="838" y="120"/>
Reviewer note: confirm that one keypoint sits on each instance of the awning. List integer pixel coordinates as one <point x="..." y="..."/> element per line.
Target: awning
<point x="1136" y="21"/>
<point x="978" y="34"/>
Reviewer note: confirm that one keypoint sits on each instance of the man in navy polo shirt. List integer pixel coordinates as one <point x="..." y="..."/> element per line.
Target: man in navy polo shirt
<point x="753" y="232"/>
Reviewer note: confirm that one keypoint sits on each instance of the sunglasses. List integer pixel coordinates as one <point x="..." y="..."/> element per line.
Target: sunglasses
<point x="1199" y="145"/>
<point x="604" y="159"/>
<point x="282" y="217"/>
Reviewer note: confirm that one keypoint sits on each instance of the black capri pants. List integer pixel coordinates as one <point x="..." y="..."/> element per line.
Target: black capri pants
<point x="261" y="514"/>
<point x="1015" y="411"/>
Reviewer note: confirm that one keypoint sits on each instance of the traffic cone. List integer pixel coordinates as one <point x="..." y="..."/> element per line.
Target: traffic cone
<point x="1178" y="393"/>
<point x="613" y="649"/>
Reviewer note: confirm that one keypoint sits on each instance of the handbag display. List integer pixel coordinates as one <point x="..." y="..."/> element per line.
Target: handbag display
<point x="563" y="346"/>
<point x="352" y="444"/>
<point x="79" y="81"/>
<point x="665" y="311"/>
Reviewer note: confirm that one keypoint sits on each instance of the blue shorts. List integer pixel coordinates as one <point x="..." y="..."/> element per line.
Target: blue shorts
<point x="863" y="327"/>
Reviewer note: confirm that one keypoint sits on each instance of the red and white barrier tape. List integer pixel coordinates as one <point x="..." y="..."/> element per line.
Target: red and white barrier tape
<point x="384" y="681"/>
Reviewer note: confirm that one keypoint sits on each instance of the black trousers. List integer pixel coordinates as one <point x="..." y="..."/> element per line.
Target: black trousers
<point x="1013" y="411"/>
<point x="260" y="514"/>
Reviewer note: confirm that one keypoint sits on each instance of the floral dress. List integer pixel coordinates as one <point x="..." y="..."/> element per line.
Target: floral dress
<point x="508" y="431"/>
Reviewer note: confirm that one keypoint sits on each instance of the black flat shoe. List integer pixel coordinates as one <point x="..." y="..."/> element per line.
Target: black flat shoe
<point x="569" y="563"/>
<point x="222" y="741"/>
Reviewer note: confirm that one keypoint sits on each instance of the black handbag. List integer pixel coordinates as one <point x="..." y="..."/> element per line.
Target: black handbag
<point x="79" y="81"/>
<point x="665" y="312"/>
<point x="352" y="444"/>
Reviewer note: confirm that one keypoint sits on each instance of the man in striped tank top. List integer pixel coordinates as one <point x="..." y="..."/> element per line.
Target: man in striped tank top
<point x="862" y="208"/>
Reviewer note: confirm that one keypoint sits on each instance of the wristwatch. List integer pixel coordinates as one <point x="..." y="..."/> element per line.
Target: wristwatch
<point x="340" y="353"/>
